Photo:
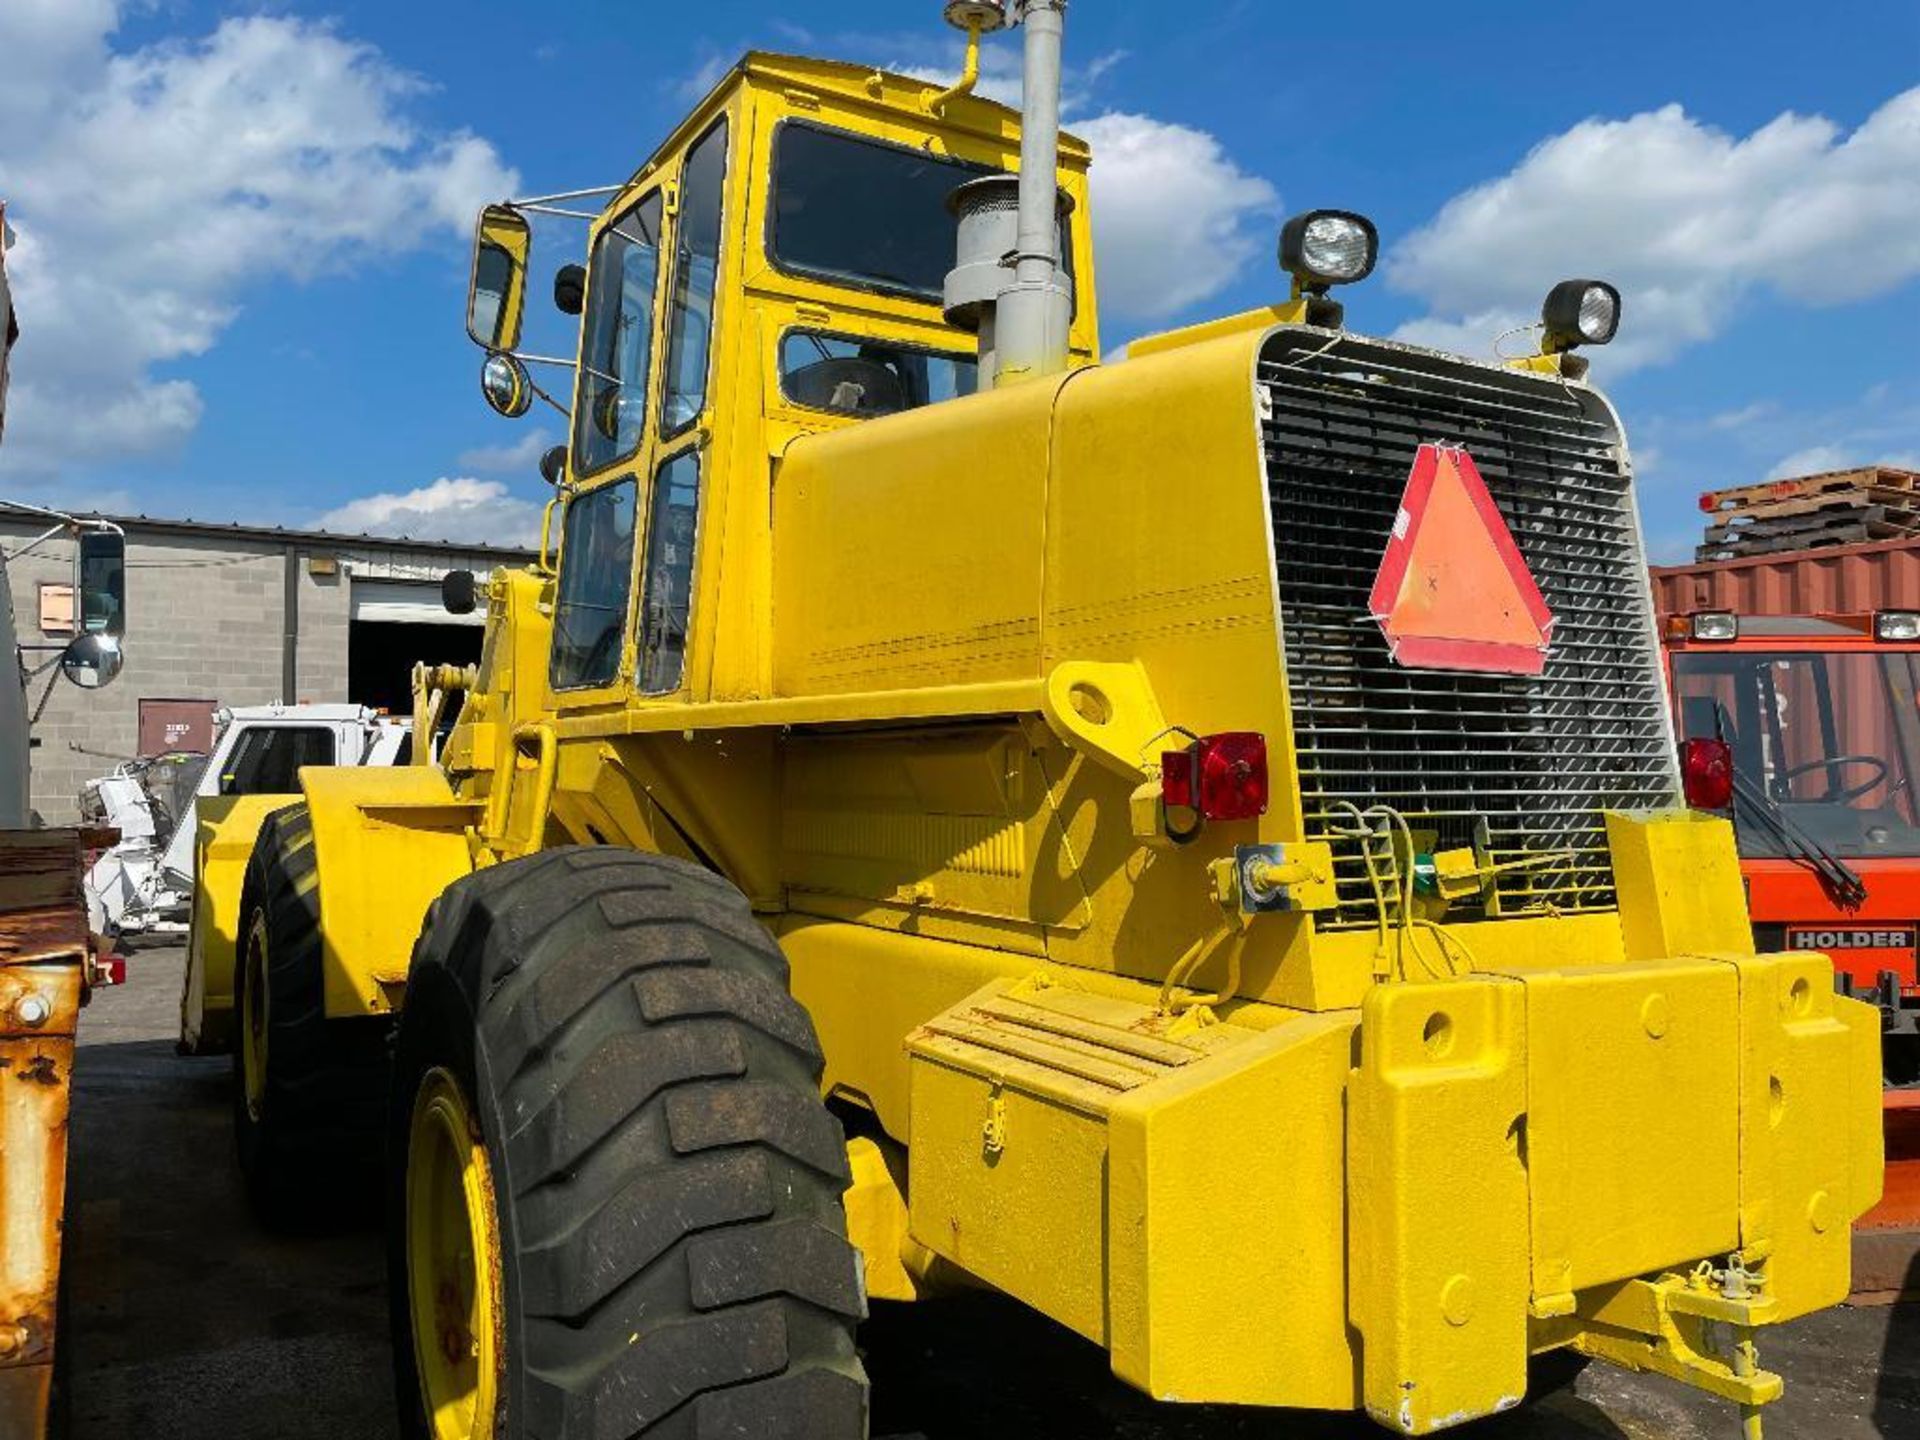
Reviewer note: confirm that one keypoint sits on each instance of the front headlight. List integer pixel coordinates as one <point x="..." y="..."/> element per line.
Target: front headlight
<point x="1897" y="625"/>
<point x="1329" y="247"/>
<point x="1580" y="312"/>
<point x="1716" y="625"/>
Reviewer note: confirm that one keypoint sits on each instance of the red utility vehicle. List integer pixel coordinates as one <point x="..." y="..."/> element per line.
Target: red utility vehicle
<point x="1820" y="717"/>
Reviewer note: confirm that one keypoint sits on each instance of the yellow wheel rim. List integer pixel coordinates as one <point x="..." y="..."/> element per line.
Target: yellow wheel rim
<point x="253" y="1024"/>
<point x="453" y="1263"/>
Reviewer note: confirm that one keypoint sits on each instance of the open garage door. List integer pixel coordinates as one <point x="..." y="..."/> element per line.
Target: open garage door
<point x="405" y="602"/>
<point x="395" y="624"/>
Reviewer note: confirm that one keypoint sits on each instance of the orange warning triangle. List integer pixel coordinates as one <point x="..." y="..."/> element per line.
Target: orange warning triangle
<point x="1454" y="592"/>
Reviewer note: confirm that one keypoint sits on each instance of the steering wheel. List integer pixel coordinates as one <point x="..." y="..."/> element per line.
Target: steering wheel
<point x="1832" y="764"/>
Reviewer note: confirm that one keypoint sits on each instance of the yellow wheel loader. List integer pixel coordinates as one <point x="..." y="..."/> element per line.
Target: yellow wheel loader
<point x="1192" y="843"/>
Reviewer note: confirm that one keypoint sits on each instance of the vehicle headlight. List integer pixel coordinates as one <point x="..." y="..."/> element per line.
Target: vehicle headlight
<point x="1895" y="625"/>
<point x="1329" y="247"/>
<point x="1580" y="312"/>
<point x="1716" y="625"/>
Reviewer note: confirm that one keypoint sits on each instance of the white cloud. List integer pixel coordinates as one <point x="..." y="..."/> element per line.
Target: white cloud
<point x="1688" y="220"/>
<point x="1175" y="220"/>
<point x="519" y="459"/>
<point x="1814" y="460"/>
<point x="1819" y="459"/>
<point x="152" y="188"/>
<point x="706" y="75"/>
<point x="1741" y="418"/>
<point x="458" y="509"/>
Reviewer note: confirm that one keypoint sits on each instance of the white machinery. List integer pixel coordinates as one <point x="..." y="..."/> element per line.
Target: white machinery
<point x="145" y="883"/>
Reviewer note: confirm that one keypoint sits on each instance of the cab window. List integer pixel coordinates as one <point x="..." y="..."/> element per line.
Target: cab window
<point x="666" y="605"/>
<point x="596" y="582"/>
<point x="863" y="212"/>
<point x="268" y="759"/>
<point x="617" y="345"/>
<point x="853" y="376"/>
<point x="696" y="279"/>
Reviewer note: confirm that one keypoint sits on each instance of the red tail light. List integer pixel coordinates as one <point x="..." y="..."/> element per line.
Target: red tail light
<point x="1706" y="773"/>
<point x="1224" y="777"/>
<point x="110" y="970"/>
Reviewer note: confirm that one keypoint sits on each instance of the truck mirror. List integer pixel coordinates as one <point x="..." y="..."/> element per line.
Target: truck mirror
<point x="497" y="292"/>
<point x="92" y="660"/>
<point x="100" y="582"/>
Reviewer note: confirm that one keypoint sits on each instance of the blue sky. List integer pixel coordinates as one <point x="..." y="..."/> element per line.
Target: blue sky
<point x="242" y="228"/>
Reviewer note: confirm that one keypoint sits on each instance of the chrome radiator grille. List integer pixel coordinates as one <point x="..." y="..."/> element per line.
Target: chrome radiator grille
<point x="1524" y="766"/>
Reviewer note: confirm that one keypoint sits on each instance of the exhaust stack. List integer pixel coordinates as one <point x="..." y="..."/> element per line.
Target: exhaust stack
<point x="1010" y="283"/>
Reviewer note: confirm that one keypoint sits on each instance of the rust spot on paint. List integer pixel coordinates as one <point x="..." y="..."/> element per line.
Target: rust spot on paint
<point x="40" y="1070"/>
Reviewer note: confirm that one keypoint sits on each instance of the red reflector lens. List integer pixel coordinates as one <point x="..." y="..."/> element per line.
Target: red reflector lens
<point x="1706" y="773"/>
<point x="110" y="970"/>
<point x="1224" y="776"/>
<point x="1178" y="769"/>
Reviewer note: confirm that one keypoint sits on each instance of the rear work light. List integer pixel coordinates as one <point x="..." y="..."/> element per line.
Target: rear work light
<point x="1716" y="625"/>
<point x="1706" y="773"/>
<point x="1895" y="625"/>
<point x="1221" y="777"/>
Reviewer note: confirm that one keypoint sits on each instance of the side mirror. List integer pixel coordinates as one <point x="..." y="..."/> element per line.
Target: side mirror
<point x="457" y="592"/>
<point x="570" y="289"/>
<point x="553" y="465"/>
<point x="505" y="384"/>
<point x="100" y="582"/>
<point x="497" y="291"/>
<point x="93" y="660"/>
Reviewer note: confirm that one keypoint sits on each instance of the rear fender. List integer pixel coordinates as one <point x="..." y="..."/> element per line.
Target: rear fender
<point x="387" y="842"/>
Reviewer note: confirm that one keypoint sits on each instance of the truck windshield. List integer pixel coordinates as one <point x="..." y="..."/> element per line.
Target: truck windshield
<point x="1825" y="740"/>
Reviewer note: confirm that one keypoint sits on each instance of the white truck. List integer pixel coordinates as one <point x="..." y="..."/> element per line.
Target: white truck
<point x="144" y="884"/>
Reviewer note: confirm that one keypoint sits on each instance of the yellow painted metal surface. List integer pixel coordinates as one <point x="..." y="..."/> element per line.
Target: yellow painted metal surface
<point x="877" y="1222"/>
<point x="1438" y="1203"/>
<point x="386" y="842"/>
<point x="1811" y="1141"/>
<point x="1011" y="1092"/>
<point x="1680" y="886"/>
<point x="1227" y="1225"/>
<point x="1611" y="1200"/>
<point x="226" y="827"/>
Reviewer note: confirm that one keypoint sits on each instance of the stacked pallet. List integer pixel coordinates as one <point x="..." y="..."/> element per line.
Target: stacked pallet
<point x="1838" y="507"/>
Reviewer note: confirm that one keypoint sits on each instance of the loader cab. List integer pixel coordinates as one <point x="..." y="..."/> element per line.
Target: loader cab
<point x="774" y="271"/>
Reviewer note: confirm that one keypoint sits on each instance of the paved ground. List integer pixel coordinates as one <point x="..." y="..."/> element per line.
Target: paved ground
<point x="189" y="1322"/>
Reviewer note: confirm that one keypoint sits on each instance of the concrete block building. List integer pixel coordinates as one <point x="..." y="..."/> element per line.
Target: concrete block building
<point x="222" y="615"/>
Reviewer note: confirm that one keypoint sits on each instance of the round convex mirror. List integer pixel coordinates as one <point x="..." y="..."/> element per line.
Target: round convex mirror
<point x="503" y="380"/>
<point x="92" y="660"/>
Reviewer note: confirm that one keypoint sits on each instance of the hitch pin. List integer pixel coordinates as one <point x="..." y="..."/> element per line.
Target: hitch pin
<point x="1746" y="1357"/>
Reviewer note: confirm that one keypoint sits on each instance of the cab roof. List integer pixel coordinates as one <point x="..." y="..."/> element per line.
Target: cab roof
<point x="861" y="87"/>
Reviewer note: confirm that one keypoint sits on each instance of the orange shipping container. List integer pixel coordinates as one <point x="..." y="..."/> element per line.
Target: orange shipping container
<point x="1846" y="579"/>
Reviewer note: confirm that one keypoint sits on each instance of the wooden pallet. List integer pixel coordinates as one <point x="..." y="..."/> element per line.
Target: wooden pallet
<point x="1747" y="546"/>
<point x="1882" y="522"/>
<point x="1834" y="485"/>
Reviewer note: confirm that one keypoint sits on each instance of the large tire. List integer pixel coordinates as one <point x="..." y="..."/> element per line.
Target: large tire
<point x="309" y="1093"/>
<point x="660" y="1248"/>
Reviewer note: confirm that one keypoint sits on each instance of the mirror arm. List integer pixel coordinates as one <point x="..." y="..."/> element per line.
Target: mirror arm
<point x="534" y="200"/>
<point x="45" y="696"/>
<point x="549" y="360"/>
<point x="586" y="215"/>
<point x="565" y="413"/>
